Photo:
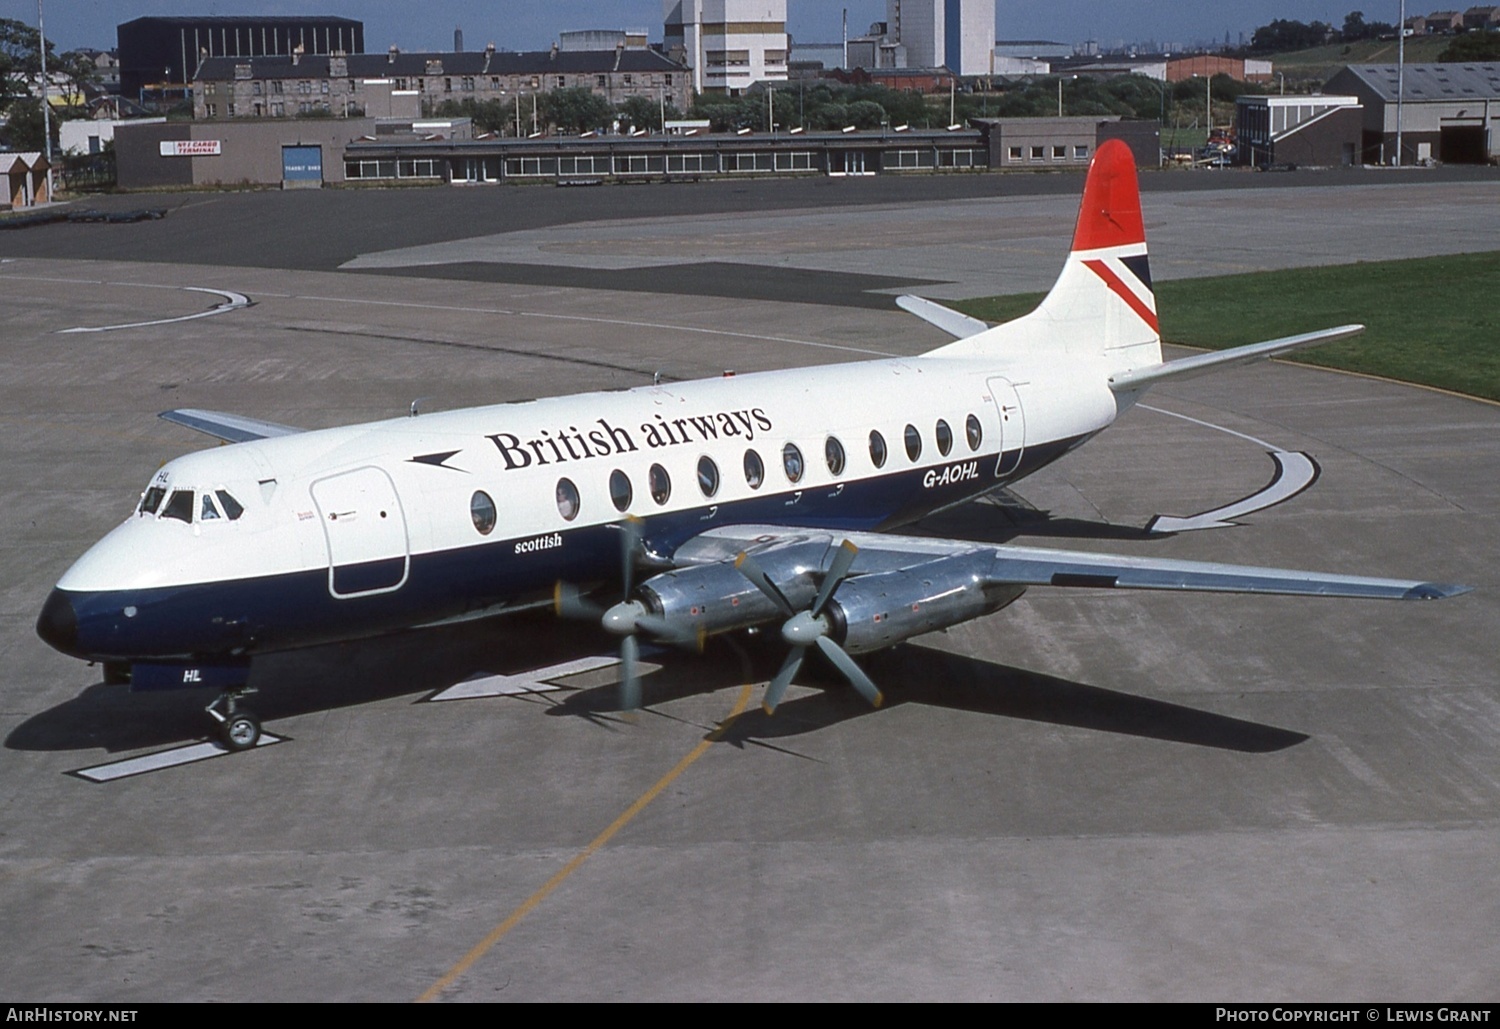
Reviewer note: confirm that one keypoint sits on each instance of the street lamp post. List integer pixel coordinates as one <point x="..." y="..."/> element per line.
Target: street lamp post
<point x="41" y="33"/>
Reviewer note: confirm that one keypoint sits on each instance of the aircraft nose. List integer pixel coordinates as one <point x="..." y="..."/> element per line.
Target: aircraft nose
<point x="58" y="622"/>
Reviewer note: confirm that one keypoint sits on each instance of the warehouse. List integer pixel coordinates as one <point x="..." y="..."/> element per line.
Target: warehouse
<point x="1447" y="113"/>
<point x="1304" y="131"/>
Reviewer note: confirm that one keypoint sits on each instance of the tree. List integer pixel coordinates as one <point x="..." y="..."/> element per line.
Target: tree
<point x="1473" y="46"/>
<point x="1354" y="27"/>
<point x="644" y="112"/>
<point x="576" y="109"/>
<point x="20" y="64"/>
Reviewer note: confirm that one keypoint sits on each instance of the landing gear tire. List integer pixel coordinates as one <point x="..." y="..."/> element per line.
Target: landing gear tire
<point x="240" y="731"/>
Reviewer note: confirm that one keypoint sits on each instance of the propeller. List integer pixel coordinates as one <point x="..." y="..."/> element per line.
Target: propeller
<point x="810" y="628"/>
<point x="625" y="619"/>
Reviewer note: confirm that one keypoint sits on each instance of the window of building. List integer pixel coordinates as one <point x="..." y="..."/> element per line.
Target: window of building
<point x="1059" y="153"/>
<point x="1015" y="153"/>
<point x="1081" y="151"/>
<point x="468" y="83"/>
<point x="1038" y="153"/>
<point x="602" y="81"/>
<point x="276" y="86"/>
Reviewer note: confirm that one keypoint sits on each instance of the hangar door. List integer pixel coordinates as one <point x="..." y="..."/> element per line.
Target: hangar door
<point x="1462" y="144"/>
<point x="302" y="165"/>
<point x="365" y="530"/>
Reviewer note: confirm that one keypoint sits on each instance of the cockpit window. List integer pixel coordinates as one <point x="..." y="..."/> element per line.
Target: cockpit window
<point x="207" y="512"/>
<point x="152" y="500"/>
<point x="232" y="508"/>
<point x="179" y="505"/>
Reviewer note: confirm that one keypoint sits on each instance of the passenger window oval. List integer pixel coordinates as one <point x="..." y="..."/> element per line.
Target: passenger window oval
<point x="877" y="449"/>
<point x="482" y="512"/>
<point x="833" y="453"/>
<point x="791" y="461"/>
<point x="975" y="432"/>
<point x="568" y="500"/>
<point x="660" y="484"/>
<point x="620" y="492"/>
<point x="944" y="437"/>
<point x="708" y="476"/>
<point x="913" y="442"/>
<point x="755" y="470"/>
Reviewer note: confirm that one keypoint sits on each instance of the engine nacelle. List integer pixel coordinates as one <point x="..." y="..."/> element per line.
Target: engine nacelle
<point x="872" y="612"/>
<point x="715" y="598"/>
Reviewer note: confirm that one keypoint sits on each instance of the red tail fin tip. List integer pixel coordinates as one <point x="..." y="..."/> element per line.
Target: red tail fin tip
<point x="1110" y="215"/>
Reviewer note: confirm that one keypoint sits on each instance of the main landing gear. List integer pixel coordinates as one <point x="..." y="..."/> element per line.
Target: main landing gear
<point x="239" y="727"/>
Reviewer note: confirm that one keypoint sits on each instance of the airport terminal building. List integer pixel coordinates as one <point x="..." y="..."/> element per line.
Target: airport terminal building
<point x="298" y="152"/>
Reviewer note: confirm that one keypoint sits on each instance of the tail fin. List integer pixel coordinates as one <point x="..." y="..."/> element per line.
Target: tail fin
<point x="1102" y="305"/>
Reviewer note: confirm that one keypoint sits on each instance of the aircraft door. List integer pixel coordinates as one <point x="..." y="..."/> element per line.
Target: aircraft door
<point x="1012" y="426"/>
<point x="365" y="529"/>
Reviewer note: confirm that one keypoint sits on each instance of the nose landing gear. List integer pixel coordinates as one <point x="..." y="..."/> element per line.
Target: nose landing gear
<point x="239" y="727"/>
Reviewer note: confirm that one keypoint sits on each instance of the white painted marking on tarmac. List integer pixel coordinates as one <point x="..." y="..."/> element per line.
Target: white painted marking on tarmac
<point x="1295" y="472"/>
<point x="1210" y="425"/>
<point x="538" y="680"/>
<point x="232" y="302"/>
<point x="173" y="758"/>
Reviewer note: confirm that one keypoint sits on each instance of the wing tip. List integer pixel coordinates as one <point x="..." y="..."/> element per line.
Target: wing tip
<point x="1435" y="591"/>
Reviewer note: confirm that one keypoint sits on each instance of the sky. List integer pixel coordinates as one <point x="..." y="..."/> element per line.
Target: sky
<point x="534" y="24"/>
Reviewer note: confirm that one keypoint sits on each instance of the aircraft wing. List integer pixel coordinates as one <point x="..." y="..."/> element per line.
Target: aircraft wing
<point x="231" y="428"/>
<point x="1009" y="565"/>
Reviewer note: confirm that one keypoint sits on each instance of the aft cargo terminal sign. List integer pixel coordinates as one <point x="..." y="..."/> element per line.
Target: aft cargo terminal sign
<point x="191" y="148"/>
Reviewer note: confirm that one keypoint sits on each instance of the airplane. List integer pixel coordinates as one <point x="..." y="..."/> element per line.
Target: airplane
<point x="672" y="511"/>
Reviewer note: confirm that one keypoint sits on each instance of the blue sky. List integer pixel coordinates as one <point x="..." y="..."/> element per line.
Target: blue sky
<point x="533" y="24"/>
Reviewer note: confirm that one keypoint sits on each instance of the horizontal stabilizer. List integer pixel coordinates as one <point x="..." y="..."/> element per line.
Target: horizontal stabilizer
<point x="959" y="326"/>
<point x="231" y="428"/>
<point x="1199" y="364"/>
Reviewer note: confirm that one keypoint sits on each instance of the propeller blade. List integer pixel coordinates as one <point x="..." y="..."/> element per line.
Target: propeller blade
<point x="630" y="542"/>
<point x="777" y="688"/>
<point x="630" y="681"/>
<point x="569" y="602"/>
<point x="746" y="566"/>
<point x="843" y="558"/>
<point x="856" y="676"/>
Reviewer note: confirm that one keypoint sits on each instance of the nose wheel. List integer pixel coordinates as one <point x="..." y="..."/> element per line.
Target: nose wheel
<point x="239" y="727"/>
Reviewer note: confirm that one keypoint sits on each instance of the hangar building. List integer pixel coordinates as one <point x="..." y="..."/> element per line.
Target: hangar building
<point x="1448" y="111"/>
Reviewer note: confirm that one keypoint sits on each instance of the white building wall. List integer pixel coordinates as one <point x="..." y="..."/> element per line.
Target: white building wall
<point x="956" y="34"/>
<point x="730" y="44"/>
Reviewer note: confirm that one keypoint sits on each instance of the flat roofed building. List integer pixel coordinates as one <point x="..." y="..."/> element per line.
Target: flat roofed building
<point x="1311" y="131"/>
<point x="729" y="44"/>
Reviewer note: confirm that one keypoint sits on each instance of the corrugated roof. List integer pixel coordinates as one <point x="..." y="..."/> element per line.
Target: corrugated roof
<point x="414" y="65"/>
<point x="1467" y="81"/>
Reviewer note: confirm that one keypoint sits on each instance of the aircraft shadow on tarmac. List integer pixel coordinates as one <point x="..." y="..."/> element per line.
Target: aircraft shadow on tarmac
<point x="422" y="662"/>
